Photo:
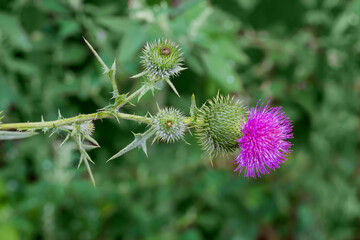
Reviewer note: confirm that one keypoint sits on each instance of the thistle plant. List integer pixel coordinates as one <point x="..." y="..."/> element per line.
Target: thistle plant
<point x="223" y="125"/>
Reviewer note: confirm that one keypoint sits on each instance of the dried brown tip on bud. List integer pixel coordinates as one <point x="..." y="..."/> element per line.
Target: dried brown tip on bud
<point x="165" y="51"/>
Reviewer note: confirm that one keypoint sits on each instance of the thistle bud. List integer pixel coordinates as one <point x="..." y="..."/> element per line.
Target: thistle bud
<point x="162" y="59"/>
<point x="218" y="125"/>
<point x="87" y="128"/>
<point x="169" y="125"/>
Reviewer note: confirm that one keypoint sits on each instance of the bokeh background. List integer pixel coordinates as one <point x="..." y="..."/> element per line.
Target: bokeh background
<point x="301" y="54"/>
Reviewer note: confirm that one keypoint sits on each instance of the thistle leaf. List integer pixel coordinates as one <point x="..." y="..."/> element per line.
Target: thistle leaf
<point x="11" y="135"/>
<point x="139" y="141"/>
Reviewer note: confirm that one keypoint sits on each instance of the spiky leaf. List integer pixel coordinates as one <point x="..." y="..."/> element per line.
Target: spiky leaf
<point x="139" y="141"/>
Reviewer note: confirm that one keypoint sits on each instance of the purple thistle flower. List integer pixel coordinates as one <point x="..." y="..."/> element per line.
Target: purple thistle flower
<point x="263" y="144"/>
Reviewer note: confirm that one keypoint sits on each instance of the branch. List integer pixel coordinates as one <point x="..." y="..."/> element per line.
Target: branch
<point x="80" y="118"/>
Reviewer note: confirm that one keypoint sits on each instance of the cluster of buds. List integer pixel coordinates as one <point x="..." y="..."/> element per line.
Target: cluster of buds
<point x="259" y="136"/>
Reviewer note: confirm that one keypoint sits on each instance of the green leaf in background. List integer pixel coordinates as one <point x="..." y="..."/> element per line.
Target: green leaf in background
<point x="73" y="53"/>
<point x="9" y="231"/>
<point x="132" y="40"/>
<point x="7" y="94"/>
<point x="117" y="24"/>
<point x="54" y="6"/>
<point x="69" y="28"/>
<point x="11" y="135"/>
<point x="10" y="27"/>
<point x="221" y="71"/>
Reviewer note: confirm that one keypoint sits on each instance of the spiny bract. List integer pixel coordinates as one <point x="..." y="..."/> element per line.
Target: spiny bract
<point x="169" y="125"/>
<point x="218" y="125"/>
<point x="162" y="59"/>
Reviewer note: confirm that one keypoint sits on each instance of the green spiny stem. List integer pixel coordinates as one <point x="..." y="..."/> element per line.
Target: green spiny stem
<point x="129" y="98"/>
<point x="111" y="73"/>
<point x="80" y="118"/>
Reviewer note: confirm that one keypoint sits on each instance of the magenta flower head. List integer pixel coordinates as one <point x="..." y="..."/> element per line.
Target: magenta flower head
<point x="264" y="142"/>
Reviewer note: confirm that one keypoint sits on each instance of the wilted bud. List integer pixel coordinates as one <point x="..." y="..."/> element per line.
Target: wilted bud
<point x="169" y="125"/>
<point x="162" y="59"/>
<point x="218" y="125"/>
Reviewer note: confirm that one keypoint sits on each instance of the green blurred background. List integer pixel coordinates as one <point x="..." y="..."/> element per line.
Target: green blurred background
<point x="301" y="54"/>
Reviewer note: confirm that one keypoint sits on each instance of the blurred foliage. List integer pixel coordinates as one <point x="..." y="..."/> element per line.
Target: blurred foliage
<point x="301" y="54"/>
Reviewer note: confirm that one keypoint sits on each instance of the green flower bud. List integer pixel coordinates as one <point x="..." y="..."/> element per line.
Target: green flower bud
<point x="218" y="125"/>
<point x="169" y="125"/>
<point x="162" y="59"/>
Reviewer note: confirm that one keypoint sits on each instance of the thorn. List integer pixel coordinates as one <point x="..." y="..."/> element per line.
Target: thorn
<point x="186" y="142"/>
<point x="60" y="116"/>
<point x="211" y="162"/>
<point x="139" y="75"/>
<point x="158" y="106"/>
<point x="90" y="172"/>
<point x="144" y="148"/>
<point x="87" y="157"/>
<point x="115" y="115"/>
<point x="153" y="141"/>
<point x="96" y="55"/>
<point x="81" y="159"/>
<point x="92" y="140"/>
<point x="172" y="86"/>
<point x="67" y="138"/>
<point x="52" y="133"/>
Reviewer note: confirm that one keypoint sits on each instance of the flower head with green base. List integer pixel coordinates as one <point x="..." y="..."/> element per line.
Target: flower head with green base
<point x="264" y="142"/>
